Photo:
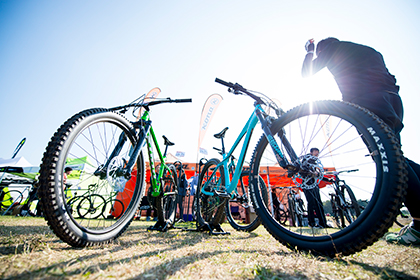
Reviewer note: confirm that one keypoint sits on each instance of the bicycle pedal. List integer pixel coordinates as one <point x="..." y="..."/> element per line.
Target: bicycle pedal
<point x="223" y="194"/>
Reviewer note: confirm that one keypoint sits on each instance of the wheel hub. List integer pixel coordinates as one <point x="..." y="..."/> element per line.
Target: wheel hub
<point x="115" y="175"/>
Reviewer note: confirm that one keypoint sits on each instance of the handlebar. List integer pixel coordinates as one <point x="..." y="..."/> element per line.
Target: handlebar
<point x="167" y="100"/>
<point x="231" y="85"/>
<point x="238" y="89"/>
<point x="151" y="103"/>
<point x="183" y="100"/>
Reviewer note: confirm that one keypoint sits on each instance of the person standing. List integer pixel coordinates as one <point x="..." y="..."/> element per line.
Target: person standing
<point x="182" y="191"/>
<point x="313" y="198"/>
<point x="66" y="185"/>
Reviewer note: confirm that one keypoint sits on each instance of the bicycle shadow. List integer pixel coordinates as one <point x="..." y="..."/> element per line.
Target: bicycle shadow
<point x="170" y="239"/>
<point x="16" y="240"/>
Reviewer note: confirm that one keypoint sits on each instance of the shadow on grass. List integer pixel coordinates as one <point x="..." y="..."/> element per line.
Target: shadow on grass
<point x="137" y="235"/>
<point x="383" y="273"/>
<point x="168" y="238"/>
<point x="18" y="239"/>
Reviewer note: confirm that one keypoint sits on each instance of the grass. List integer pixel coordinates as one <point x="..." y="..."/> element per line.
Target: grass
<point x="29" y="250"/>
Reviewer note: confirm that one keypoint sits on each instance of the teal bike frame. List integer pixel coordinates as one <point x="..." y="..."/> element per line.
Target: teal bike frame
<point x="247" y="133"/>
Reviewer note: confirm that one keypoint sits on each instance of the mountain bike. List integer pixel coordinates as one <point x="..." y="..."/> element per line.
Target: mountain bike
<point x="295" y="208"/>
<point x="345" y="208"/>
<point x="347" y="135"/>
<point x="239" y="210"/>
<point x="110" y="146"/>
<point x="93" y="205"/>
<point x="217" y="190"/>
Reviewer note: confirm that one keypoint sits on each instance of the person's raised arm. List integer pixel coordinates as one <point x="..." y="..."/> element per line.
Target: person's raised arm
<point x="307" y="63"/>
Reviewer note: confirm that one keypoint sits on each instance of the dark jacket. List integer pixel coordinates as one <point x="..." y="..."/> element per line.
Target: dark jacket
<point x="357" y="69"/>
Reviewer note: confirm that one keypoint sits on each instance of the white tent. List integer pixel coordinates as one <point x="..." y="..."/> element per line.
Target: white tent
<point x="15" y="162"/>
<point x="13" y="180"/>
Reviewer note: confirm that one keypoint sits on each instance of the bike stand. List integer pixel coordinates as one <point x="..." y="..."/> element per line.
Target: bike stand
<point x="213" y="230"/>
<point x="159" y="226"/>
<point x="217" y="230"/>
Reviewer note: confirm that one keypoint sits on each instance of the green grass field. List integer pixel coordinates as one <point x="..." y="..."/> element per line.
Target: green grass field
<point x="30" y="250"/>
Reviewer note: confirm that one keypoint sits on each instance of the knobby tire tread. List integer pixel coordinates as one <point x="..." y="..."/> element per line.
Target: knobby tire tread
<point x="384" y="222"/>
<point x="46" y="191"/>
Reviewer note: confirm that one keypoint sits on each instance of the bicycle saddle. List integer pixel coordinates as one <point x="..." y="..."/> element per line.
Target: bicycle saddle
<point x="167" y="142"/>
<point x="222" y="133"/>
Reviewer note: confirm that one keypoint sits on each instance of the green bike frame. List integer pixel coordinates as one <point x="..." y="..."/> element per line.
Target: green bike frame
<point x="155" y="179"/>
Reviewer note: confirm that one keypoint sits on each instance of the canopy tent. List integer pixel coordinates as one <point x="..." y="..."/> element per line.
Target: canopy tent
<point x="14" y="183"/>
<point x="15" y="162"/>
<point x="13" y="171"/>
<point x="80" y="177"/>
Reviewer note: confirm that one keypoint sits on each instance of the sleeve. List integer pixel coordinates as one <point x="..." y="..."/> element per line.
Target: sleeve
<point x="311" y="67"/>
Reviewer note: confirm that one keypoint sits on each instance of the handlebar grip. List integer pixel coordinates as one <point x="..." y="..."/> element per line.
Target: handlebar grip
<point x="186" y="100"/>
<point x="223" y="82"/>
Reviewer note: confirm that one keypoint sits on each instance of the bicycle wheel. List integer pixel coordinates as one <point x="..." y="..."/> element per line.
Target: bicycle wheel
<point x="91" y="207"/>
<point x="210" y="206"/>
<point x="299" y="213"/>
<point x="347" y="136"/>
<point x="351" y="209"/>
<point x="112" y="206"/>
<point x="166" y="203"/>
<point x="239" y="210"/>
<point x="9" y="200"/>
<point x="282" y="216"/>
<point x="96" y="143"/>
<point x="337" y="213"/>
<point x="72" y="205"/>
<point x="295" y="219"/>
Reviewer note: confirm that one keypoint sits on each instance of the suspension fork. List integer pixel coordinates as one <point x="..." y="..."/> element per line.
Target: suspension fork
<point x="134" y="152"/>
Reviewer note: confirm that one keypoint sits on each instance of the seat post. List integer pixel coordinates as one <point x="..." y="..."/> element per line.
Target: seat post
<point x="221" y="135"/>
<point x="167" y="144"/>
<point x="166" y="149"/>
<point x="223" y="145"/>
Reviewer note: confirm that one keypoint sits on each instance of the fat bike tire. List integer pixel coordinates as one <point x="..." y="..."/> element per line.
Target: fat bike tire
<point x="346" y="135"/>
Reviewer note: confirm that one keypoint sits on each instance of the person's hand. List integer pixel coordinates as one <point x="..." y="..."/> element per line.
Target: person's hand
<point x="309" y="46"/>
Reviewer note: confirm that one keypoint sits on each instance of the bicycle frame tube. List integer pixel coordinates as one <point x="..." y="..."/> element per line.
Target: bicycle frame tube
<point x="282" y="161"/>
<point x="247" y="132"/>
<point x="155" y="181"/>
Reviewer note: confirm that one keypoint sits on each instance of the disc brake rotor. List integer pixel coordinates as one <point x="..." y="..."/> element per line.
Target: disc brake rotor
<point x="311" y="174"/>
<point x="114" y="175"/>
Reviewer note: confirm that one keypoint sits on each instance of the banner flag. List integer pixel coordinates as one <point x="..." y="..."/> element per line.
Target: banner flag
<point x="209" y="109"/>
<point x="179" y="154"/>
<point x="152" y="94"/>
<point x="203" y="151"/>
<point x="19" y="146"/>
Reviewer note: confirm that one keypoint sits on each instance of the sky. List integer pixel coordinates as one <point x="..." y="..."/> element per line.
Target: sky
<point x="60" y="57"/>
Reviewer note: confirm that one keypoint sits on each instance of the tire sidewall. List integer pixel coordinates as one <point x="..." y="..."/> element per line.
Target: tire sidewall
<point x="80" y="232"/>
<point x="379" y="203"/>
